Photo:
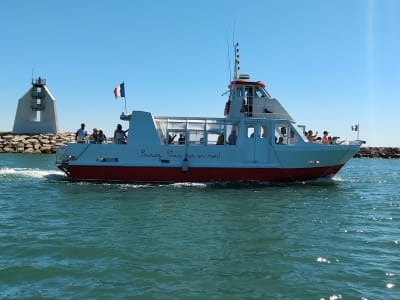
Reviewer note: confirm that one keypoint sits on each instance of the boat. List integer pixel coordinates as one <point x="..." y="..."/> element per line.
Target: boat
<point x="256" y="140"/>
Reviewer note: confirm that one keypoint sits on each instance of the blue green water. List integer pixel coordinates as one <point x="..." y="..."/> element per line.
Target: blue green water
<point x="337" y="239"/>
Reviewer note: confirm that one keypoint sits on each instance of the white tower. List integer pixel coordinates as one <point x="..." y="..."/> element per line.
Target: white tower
<point x="36" y="111"/>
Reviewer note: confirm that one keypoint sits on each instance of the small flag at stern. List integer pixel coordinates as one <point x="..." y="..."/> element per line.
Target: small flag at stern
<point x="354" y="127"/>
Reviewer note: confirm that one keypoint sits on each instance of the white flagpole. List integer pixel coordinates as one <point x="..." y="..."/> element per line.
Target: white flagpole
<point x="123" y="82"/>
<point x="358" y="131"/>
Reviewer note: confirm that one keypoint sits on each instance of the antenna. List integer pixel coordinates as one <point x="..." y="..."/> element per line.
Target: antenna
<point x="229" y="57"/>
<point x="237" y="68"/>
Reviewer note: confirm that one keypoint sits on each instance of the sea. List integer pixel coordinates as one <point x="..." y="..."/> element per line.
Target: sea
<point x="328" y="239"/>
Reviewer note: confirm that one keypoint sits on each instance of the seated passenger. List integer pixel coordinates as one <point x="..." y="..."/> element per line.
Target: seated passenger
<point x="181" y="139"/>
<point x="101" y="138"/>
<point x="232" y="138"/>
<point x="221" y="139"/>
<point x="335" y="141"/>
<point x="280" y="141"/>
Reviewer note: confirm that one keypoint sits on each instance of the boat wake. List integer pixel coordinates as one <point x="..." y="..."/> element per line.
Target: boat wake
<point x="31" y="173"/>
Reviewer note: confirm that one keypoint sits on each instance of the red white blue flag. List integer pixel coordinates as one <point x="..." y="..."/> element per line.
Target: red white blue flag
<point x="119" y="91"/>
<point x="354" y="127"/>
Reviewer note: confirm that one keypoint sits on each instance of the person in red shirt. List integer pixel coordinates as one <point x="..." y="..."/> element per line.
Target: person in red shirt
<point x="325" y="139"/>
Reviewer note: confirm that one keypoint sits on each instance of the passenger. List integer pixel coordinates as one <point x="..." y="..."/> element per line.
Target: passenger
<point x="280" y="141"/>
<point x="120" y="135"/>
<point x="171" y="138"/>
<point x="181" y="139"/>
<point x="93" y="137"/>
<point x="310" y="137"/>
<point x="232" y="138"/>
<point x="81" y="134"/>
<point x="243" y="106"/>
<point x="101" y="138"/>
<point x="335" y="141"/>
<point x="221" y="139"/>
<point x="325" y="139"/>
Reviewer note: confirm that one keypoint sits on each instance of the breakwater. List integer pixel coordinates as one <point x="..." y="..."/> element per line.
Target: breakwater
<point x="378" y="152"/>
<point x="37" y="143"/>
<point x="48" y="144"/>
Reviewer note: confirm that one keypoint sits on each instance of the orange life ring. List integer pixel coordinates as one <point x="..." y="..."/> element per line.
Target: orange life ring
<point x="227" y="107"/>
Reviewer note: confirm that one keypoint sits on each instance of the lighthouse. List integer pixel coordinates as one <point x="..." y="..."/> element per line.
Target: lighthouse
<point x="36" y="111"/>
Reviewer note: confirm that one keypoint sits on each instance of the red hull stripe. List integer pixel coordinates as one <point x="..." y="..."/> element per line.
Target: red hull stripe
<point x="167" y="175"/>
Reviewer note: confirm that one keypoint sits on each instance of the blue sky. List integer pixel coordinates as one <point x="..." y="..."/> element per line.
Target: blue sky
<point x="332" y="64"/>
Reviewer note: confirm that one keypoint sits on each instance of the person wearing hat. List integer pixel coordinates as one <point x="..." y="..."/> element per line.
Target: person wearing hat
<point x="94" y="136"/>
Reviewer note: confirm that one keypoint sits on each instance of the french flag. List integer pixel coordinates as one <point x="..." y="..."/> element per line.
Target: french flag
<point x="119" y="91"/>
<point x="354" y="128"/>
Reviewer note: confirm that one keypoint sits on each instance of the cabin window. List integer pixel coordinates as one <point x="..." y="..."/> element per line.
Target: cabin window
<point x="259" y="92"/>
<point x="264" y="131"/>
<point x="214" y="138"/>
<point x="285" y="134"/>
<point x="250" y="131"/>
<point x="281" y="133"/>
<point x="241" y="91"/>
<point x="196" y="137"/>
<point x="293" y="136"/>
<point x="215" y="132"/>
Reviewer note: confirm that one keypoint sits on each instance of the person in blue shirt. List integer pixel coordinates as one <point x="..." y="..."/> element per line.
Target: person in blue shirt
<point x="81" y="134"/>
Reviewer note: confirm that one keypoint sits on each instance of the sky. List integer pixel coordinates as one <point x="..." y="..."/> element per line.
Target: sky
<point x="332" y="64"/>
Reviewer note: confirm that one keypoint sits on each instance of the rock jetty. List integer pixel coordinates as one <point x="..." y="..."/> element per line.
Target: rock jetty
<point x="378" y="152"/>
<point x="39" y="143"/>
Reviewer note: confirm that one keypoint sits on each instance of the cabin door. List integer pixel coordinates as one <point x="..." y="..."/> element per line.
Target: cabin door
<point x="257" y="142"/>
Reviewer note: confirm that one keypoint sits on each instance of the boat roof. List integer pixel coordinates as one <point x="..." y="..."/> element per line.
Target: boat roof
<point x="246" y="82"/>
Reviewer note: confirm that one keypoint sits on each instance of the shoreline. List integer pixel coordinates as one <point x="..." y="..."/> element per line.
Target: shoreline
<point x="48" y="144"/>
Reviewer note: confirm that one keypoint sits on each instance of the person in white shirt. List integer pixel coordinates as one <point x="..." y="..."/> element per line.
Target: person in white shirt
<point x="120" y="135"/>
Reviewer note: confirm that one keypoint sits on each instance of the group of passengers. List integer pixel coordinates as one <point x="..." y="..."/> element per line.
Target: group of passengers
<point x="98" y="137"/>
<point x="325" y="139"/>
<point x="232" y="138"/>
<point x="181" y="139"/>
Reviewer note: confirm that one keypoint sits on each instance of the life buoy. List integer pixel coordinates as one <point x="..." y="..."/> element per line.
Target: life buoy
<point x="227" y="107"/>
